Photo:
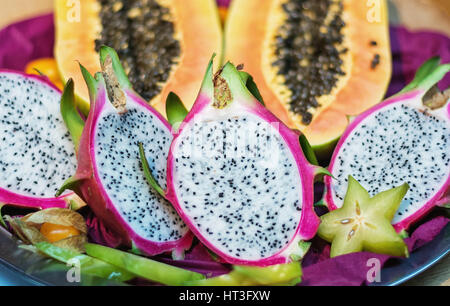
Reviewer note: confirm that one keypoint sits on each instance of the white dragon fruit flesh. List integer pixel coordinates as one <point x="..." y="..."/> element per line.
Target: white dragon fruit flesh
<point x="36" y="152"/>
<point x="401" y="140"/>
<point x="238" y="176"/>
<point x="110" y="174"/>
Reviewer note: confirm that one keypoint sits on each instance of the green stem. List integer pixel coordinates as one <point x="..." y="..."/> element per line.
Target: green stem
<point x="88" y="265"/>
<point x="71" y="183"/>
<point x="276" y="275"/>
<point x="143" y="267"/>
<point x="147" y="171"/>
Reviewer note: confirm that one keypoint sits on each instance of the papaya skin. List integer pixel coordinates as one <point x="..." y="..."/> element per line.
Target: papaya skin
<point x="363" y="223"/>
<point x="361" y="87"/>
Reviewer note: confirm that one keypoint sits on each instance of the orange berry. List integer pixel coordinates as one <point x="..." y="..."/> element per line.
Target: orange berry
<point x="56" y="232"/>
<point x="47" y="66"/>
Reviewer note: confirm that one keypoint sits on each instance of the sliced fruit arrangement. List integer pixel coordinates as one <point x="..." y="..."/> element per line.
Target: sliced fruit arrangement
<point x="316" y="62"/>
<point x="36" y="152"/>
<point x="238" y="177"/>
<point x="109" y="174"/>
<point x="364" y="223"/>
<point x="164" y="44"/>
<point x="404" y="139"/>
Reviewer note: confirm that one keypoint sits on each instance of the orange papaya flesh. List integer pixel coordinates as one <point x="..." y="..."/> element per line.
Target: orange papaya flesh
<point x="164" y="45"/>
<point x="313" y="77"/>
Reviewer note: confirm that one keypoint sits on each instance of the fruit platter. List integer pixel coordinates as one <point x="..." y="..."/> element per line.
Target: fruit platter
<point x="224" y="143"/>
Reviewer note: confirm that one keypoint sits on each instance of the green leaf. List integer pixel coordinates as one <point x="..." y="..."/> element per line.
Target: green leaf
<point x="244" y="76"/>
<point x="88" y="265"/>
<point x="2" y="221"/>
<point x="207" y="87"/>
<point x="308" y="150"/>
<point x="175" y="110"/>
<point x="428" y="67"/>
<point x="251" y="86"/>
<point x="149" y="269"/>
<point x="116" y="65"/>
<point x="91" y="83"/>
<point x="71" y="183"/>
<point x="304" y="246"/>
<point x="147" y="172"/>
<point x="323" y="171"/>
<point x="429" y="74"/>
<point x="404" y="234"/>
<point x="135" y="249"/>
<point x="70" y="114"/>
<point x="321" y="203"/>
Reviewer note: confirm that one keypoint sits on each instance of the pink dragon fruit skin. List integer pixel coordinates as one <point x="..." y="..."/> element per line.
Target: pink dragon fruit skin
<point x="411" y="97"/>
<point x="89" y="179"/>
<point x="50" y="106"/>
<point x="65" y="201"/>
<point x="308" y="223"/>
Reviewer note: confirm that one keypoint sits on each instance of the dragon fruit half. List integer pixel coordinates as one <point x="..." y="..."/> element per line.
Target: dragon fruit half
<point x="36" y="152"/>
<point x="405" y="139"/>
<point x="110" y="175"/>
<point x="238" y="176"/>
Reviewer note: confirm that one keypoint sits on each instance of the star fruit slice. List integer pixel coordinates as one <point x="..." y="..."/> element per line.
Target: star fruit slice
<point x="363" y="223"/>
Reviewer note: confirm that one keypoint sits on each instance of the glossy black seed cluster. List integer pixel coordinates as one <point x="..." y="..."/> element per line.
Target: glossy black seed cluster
<point x="36" y="151"/>
<point x="396" y="145"/>
<point x="143" y="36"/>
<point x="238" y="182"/>
<point x="307" y="52"/>
<point x="121" y="173"/>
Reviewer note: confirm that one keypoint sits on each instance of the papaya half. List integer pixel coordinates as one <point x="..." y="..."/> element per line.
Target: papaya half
<point x="316" y="62"/>
<point x="164" y="45"/>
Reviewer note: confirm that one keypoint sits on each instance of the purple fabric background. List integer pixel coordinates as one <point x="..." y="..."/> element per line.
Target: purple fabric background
<point x="34" y="38"/>
<point x="224" y="3"/>
<point x="25" y="41"/>
<point x="410" y="50"/>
